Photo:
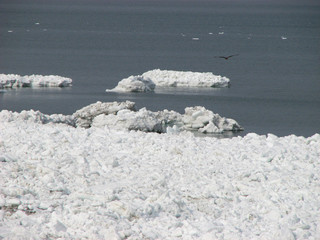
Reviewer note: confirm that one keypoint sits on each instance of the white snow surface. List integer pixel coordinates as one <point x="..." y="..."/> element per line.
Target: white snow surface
<point x="14" y="80"/>
<point x="148" y="81"/>
<point x="63" y="182"/>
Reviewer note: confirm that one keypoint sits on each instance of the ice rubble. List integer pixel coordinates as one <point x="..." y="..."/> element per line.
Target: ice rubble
<point x="123" y="115"/>
<point x="168" y="78"/>
<point x="14" y="80"/>
<point x="62" y="182"/>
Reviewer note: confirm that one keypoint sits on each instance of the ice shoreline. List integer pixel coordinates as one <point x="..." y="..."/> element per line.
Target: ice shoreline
<point x="61" y="181"/>
<point x="58" y="181"/>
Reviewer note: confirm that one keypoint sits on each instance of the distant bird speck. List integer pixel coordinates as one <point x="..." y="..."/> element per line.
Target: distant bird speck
<point x="227" y="57"/>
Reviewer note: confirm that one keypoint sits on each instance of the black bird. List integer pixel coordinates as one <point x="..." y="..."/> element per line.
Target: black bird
<point x="226" y="57"/>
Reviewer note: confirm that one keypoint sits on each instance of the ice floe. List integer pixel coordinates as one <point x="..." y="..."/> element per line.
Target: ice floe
<point x="58" y="181"/>
<point x="169" y="78"/>
<point x="14" y="80"/>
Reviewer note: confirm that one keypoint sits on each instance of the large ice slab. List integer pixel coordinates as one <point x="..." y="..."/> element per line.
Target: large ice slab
<point x="84" y="116"/>
<point x="148" y="81"/>
<point x="14" y="80"/>
<point x="63" y="182"/>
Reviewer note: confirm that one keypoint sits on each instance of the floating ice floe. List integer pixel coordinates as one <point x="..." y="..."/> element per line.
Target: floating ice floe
<point x="62" y="182"/>
<point x="168" y="78"/>
<point x="14" y="80"/>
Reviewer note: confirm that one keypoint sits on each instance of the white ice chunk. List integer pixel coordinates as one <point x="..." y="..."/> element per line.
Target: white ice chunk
<point x="134" y="84"/>
<point x="169" y="78"/>
<point x="14" y="80"/>
<point x="85" y="115"/>
<point x="142" y="120"/>
<point x="203" y="120"/>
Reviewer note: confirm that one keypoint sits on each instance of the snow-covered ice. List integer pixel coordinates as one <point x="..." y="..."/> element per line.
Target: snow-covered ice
<point x="58" y="181"/>
<point x="169" y="78"/>
<point x="14" y="80"/>
<point x="148" y="81"/>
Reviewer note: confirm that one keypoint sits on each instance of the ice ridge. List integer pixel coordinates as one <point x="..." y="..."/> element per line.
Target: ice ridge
<point x="124" y="116"/>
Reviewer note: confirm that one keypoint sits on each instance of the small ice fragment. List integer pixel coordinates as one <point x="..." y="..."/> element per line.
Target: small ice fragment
<point x="210" y="33"/>
<point x="37" y="23"/>
<point x="10" y="31"/>
<point x="60" y="227"/>
<point x="195" y="39"/>
<point x="220" y="33"/>
<point x="283" y="37"/>
<point x="115" y="163"/>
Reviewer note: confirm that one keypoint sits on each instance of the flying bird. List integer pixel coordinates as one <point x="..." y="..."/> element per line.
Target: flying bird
<point x="226" y="57"/>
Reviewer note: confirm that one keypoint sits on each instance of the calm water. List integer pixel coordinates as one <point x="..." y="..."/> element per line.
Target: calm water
<point x="275" y="82"/>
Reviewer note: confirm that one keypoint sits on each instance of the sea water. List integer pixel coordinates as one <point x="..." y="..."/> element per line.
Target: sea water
<point x="275" y="78"/>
